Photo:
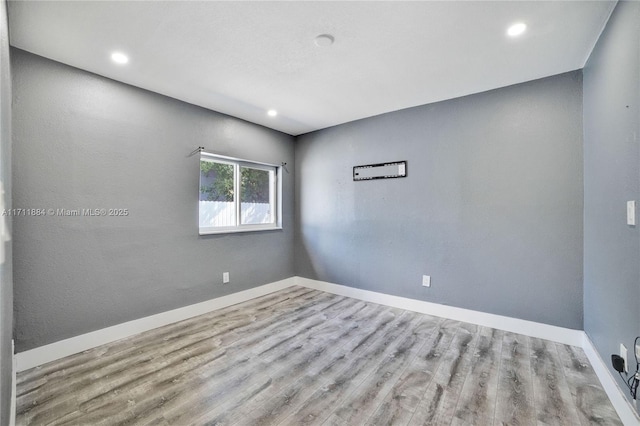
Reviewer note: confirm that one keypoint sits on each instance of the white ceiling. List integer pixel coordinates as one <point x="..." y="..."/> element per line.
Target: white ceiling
<point x="242" y="58"/>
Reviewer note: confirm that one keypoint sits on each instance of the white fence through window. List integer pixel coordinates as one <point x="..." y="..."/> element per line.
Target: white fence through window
<point x="223" y="213"/>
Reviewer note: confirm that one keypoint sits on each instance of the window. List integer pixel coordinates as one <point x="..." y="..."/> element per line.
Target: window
<point x="237" y="195"/>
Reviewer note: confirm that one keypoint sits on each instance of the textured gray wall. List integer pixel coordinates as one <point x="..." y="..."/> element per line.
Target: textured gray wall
<point x="611" y="177"/>
<point x="83" y="141"/>
<point x="491" y="208"/>
<point x="6" y="284"/>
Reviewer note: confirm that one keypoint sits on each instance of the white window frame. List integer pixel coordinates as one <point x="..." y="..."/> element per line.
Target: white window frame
<point x="275" y="197"/>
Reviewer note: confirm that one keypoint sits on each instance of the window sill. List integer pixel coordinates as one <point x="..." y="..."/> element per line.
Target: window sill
<point x="238" y="230"/>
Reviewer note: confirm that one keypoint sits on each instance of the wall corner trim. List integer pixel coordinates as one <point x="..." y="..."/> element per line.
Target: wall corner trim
<point x="625" y="410"/>
<point x="73" y="345"/>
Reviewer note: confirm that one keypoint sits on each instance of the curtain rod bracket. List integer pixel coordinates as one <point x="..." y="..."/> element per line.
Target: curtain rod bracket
<point x="196" y="151"/>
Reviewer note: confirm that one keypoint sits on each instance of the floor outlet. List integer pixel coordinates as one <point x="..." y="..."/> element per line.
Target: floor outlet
<point x="623" y="355"/>
<point x="225" y="277"/>
<point x="426" y="281"/>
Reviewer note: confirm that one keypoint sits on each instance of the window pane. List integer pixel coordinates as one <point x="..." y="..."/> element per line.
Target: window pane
<point x="257" y="197"/>
<point x="217" y="207"/>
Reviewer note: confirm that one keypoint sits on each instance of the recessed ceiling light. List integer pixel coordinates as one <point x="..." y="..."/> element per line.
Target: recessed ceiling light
<point x="119" y="58"/>
<point x="516" y="29"/>
<point x="324" y="40"/>
<point x="272" y="113"/>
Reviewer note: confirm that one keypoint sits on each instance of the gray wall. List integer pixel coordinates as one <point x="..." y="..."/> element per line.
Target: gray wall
<point x="491" y="208"/>
<point x="6" y="284"/>
<point x="611" y="177"/>
<point x="83" y="141"/>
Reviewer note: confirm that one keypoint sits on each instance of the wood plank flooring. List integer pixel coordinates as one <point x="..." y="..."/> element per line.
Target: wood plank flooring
<point x="301" y="356"/>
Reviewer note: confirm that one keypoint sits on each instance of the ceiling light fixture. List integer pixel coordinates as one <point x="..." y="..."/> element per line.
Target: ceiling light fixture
<point x="272" y="113"/>
<point x="516" y="29"/>
<point x="119" y="58"/>
<point x="324" y="40"/>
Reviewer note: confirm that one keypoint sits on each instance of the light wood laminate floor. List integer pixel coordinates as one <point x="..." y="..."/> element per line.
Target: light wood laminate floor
<point x="301" y="356"/>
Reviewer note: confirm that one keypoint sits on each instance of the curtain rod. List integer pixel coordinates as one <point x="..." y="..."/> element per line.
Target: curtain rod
<point x="202" y="150"/>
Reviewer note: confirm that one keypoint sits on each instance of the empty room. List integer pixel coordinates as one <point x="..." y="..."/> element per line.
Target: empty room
<point x="319" y="212"/>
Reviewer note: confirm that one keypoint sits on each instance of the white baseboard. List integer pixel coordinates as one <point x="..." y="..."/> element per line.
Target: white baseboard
<point x="12" y="413"/>
<point x="51" y="352"/>
<point x="41" y="355"/>
<point x="566" y="336"/>
<point x="625" y="410"/>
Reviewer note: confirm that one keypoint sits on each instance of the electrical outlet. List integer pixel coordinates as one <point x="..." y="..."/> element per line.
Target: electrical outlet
<point x="631" y="213"/>
<point x="623" y="355"/>
<point x="225" y="277"/>
<point x="426" y="281"/>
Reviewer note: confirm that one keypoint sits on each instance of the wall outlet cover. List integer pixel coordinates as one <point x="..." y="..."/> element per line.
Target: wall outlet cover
<point x="623" y="355"/>
<point x="426" y="281"/>
<point x="225" y="277"/>
<point x="631" y="213"/>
